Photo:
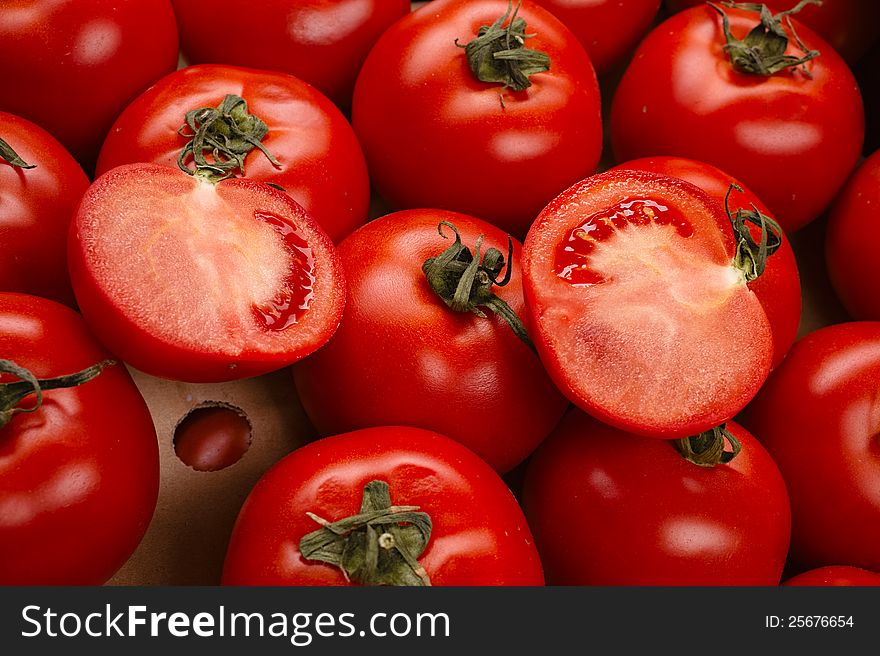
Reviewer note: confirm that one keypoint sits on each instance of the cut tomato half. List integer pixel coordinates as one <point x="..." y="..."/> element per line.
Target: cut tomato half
<point x="202" y="282"/>
<point x="639" y="312"/>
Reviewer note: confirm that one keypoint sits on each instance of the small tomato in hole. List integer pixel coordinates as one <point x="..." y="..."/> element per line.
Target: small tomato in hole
<point x="637" y="290"/>
<point x="199" y="281"/>
<point x="212" y="436"/>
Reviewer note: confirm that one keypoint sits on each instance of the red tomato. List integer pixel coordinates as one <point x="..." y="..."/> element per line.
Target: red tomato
<point x="791" y="137"/>
<point x="436" y="136"/>
<point x="80" y="476"/>
<point x="778" y="287"/>
<point x="850" y="245"/>
<point x="35" y="209"/>
<point x="320" y="163"/>
<point x="73" y="66"/>
<point x="641" y="315"/>
<point x="817" y="415"/>
<point x="612" y="508"/>
<point x="848" y="25"/>
<point x="322" y="43"/>
<point x="202" y="282"/>
<point x="477" y="533"/>
<point x="836" y="576"/>
<point x="609" y="30"/>
<point x="402" y="357"/>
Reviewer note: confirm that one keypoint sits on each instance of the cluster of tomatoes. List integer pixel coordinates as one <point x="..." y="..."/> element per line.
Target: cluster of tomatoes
<point x="595" y="334"/>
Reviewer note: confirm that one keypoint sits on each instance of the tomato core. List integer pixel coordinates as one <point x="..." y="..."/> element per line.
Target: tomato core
<point x="297" y="290"/>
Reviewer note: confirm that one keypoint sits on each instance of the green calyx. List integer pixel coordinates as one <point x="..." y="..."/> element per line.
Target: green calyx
<point x="751" y="256"/>
<point x="378" y="546"/>
<point x="465" y="282"/>
<point x="11" y="394"/>
<point x="12" y="158"/>
<point x="498" y="55"/>
<point x="762" y="51"/>
<point x="226" y="134"/>
<point x="710" y="447"/>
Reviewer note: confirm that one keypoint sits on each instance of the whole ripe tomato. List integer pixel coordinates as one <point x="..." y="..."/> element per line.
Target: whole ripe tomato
<point x="468" y="530"/>
<point x="38" y="195"/>
<point x="850" y="26"/>
<point x="850" y="246"/>
<point x="322" y="43"/>
<point x="636" y="286"/>
<point x="196" y="280"/>
<point x="609" y="30"/>
<point x="792" y="137"/>
<point x="840" y="575"/>
<point x="73" y="66"/>
<point x="402" y="356"/>
<point x="436" y="136"/>
<point x="778" y="287"/>
<point x="317" y="158"/>
<point x="612" y="508"/>
<point x="79" y="476"/>
<point x="817" y="415"/>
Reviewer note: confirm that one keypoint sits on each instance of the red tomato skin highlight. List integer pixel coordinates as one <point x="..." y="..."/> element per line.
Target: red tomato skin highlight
<point x="435" y="136"/>
<point x="71" y="66"/>
<point x="195" y="360"/>
<point x="322" y="43"/>
<point x="850" y="246"/>
<point x="779" y="287"/>
<point x="611" y="508"/>
<point x="831" y="575"/>
<point x="479" y="536"/>
<point x="572" y="339"/>
<point x="791" y="138"/>
<point x="461" y="375"/>
<point x="79" y="478"/>
<point x="321" y="164"/>
<point x="35" y="210"/>
<point x="817" y="416"/>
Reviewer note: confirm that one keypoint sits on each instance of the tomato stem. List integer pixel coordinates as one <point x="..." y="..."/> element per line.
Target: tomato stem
<point x="464" y="282"/>
<point x="708" y="448"/>
<point x="378" y="546"/>
<point x="498" y="55"/>
<point x="11" y="394"/>
<point x="226" y="133"/>
<point x="762" y="51"/>
<point x="751" y="256"/>
<point x="12" y="158"/>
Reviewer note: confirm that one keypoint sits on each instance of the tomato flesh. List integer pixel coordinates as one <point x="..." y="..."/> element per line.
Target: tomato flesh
<point x="641" y="316"/>
<point x="223" y="276"/>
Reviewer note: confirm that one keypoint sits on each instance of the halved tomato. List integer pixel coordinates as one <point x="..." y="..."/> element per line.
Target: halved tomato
<point x="637" y="289"/>
<point x="196" y="281"/>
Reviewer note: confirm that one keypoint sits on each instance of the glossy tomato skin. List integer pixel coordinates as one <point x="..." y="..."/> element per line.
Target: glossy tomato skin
<point x="817" y="417"/>
<point x="779" y="287"/>
<point x="637" y="314"/>
<point x="609" y="30"/>
<point x="791" y="138"/>
<point x="435" y="136"/>
<point x="322" y="43"/>
<point x="835" y="576"/>
<point x="79" y="478"/>
<point x="850" y="246"/>
<point x="479" y="535"/>
<point x="611" y="508"/>
<point x="35" y="210"/>
<point x="200" y="282"/>
<point x="71" y="66"/>
<point x="850" y="26"/>
<point x="320" y="161"/>
<point x="464" y="376"/>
